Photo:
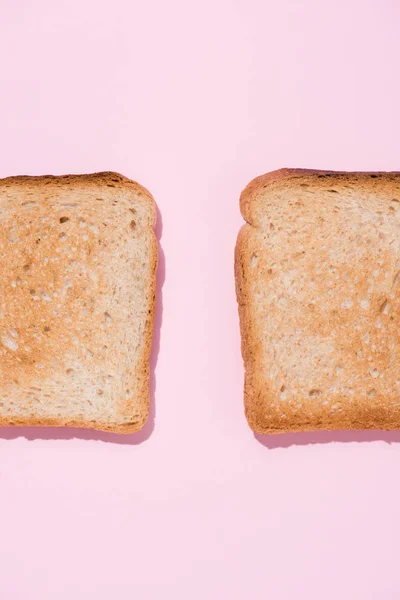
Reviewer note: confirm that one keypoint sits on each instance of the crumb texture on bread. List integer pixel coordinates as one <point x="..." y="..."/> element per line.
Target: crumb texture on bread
<point x="78" y="261"/>
<point x="318" y="280"/>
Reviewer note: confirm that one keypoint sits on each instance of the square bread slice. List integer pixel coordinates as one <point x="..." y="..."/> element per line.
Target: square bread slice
<point x="78" y="259"/>
<point x="318" y="285"/>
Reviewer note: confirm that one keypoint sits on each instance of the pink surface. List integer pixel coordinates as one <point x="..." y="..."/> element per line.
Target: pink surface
<point x="194" y="99"/>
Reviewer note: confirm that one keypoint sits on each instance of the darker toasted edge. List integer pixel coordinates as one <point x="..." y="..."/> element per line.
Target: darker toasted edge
<point x="144" y="399"/>
<point x="121" y="428"/>
<point x="108" y="178"/>
<point x="280" y="176"/>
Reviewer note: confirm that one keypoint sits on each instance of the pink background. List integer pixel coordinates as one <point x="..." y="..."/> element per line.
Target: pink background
<point x="194" y="99"/>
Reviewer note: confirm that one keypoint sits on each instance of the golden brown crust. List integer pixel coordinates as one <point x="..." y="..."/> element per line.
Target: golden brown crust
<point x="123" y="428"/>
<point x="103" y="177"/>
<point x="253" y="401"/>
<point x="148" y="335"/>
<point x="133" y="414"/>
<point x="282" y="177"/>
<point x="377" y="409"/>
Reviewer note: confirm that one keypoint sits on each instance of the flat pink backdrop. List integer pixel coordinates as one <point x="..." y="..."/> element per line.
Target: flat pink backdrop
<point x="194" y="99"/>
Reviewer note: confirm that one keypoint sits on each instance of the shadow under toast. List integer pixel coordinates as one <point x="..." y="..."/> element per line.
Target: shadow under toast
<point x="305" y="438"/>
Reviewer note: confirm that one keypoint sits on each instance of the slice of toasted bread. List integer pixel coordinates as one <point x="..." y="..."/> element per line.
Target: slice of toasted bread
<point x="78" y="259"/>
<point x="318" y="286"/>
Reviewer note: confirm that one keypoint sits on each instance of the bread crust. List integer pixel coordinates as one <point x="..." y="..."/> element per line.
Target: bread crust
<point x="102" y="177"/>
<point x="141" y="401"/>
<point x="264" y="413"/>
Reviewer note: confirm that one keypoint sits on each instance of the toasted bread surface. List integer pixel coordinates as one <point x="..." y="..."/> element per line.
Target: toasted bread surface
<point x="318" y="279"/>
<point x="78" y="258"/>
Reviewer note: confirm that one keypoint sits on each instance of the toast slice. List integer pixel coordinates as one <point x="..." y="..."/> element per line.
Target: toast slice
<point x="78" y="259"/>
<point x="318" y="285"/>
